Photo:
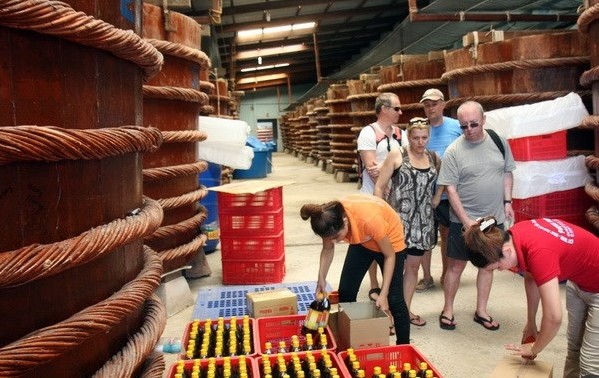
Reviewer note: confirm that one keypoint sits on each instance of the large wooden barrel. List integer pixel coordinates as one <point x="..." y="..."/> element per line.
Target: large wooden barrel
<point x="74" y="218"/>
<point x="343" y="144"/>
<point x="588" y="25"/>
<point x="414" y="74"/>
<point x="516" y="71"/>
<point x="172" y="103"/>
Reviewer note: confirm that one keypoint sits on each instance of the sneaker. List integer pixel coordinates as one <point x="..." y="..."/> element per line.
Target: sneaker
<point x="423" y="285"/>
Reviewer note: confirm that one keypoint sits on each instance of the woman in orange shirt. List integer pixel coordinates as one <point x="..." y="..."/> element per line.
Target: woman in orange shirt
<point x="374" y="232"/>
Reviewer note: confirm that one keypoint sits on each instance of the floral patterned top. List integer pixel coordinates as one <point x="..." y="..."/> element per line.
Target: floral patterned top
<point x="411" y="195"/>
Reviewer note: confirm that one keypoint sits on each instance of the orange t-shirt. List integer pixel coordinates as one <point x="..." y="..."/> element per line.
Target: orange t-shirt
<point x="371" y="219"/>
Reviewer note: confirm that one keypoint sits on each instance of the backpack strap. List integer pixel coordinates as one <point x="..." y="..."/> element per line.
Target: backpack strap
<point x="497" y="141"/>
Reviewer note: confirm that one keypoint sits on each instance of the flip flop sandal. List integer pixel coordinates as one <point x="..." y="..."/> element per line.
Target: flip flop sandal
<point x="376" y="291"/>
<point x="449" y="327"/>
<point x="487" y="323"/>
<point x="417" y="321"/>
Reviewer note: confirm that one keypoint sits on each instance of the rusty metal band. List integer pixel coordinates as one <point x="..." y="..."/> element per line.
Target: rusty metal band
<point x="184" y="136"/>
<point x="207" y="109"/>
<point x="363" y="96"/>
<point x="590" y="76"/>
<point x="181" y="51"/>
<point x="37" y="261"/>
<point x="154" y="366"/>
<point x="221" y="98"/>
<point x="592" y="190"/>
<point x="184" y="250"/>
<point x="184" y="199"/>
<point x="141" y="344"/>
<point x="48" y="343"/>
<point x="587" y="17"/>
<point x="49" y="143"/>
<point x="206" y="86"/>
<point x="175" y="93"/>
<point x="592" y="162"/>
<point x="409" y="84"/>
<point x="337" y="101"/>
<point x="515" y="65"/>
<point x="592" y="215"/>
<point x="184" y="226"/>
<point x="58" y="19"/>
<point x="514" y="98"/>
<point x="163" y="173"/>
<point x="589" y="122"/>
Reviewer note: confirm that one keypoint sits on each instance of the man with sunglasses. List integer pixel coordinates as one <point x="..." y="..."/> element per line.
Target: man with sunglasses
<point x="444" y="130"/>
<point x="478" y="180"/>
<point x="374" y="143"/>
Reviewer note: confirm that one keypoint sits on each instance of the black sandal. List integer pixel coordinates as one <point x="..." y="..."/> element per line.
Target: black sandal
<point x="447" y="326"/>
<point x="376" y="291"/>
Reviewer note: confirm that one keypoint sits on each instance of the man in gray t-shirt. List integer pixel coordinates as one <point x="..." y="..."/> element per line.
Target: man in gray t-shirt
<point x="478" y="180"/>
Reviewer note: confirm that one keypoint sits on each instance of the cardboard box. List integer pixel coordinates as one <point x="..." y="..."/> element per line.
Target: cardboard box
<point x="271" y="303"/>
<point x="516" y="366"/>
<point x="361" y="325"/>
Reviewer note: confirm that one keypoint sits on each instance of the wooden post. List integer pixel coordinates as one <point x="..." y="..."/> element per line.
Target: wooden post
<point x="316" y="58"/>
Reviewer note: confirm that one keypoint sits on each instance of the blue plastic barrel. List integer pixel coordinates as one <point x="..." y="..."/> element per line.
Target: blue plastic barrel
<point x="259" y="167"/>
<point x="209" y="178"/>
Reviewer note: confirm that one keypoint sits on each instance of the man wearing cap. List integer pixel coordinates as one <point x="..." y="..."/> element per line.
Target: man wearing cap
<point x="444" y="130"/>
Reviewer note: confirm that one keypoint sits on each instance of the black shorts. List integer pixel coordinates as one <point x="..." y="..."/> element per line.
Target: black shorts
<point x="415" y="251"/>
<point x="442" y="214"/>
<point x="456" y="248"/>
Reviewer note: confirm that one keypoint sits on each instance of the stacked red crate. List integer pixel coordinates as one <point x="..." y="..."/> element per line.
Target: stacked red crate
<point x="252" y="238"/>
<point x="568" y="205"/>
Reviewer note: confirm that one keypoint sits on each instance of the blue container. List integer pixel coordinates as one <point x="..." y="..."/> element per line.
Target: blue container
<point x="209" y="178"/>
<point x="272" y="146"/>
<point x="259" y="166"/>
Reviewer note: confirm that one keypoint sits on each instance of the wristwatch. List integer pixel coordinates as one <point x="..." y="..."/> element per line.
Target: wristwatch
<point x="507" y="201"/>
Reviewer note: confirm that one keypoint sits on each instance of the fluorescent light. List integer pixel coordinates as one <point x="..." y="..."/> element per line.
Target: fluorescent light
<point x="250" y="54"/>
<point x="260" y="68"/>
<point x="255" y="79"/>
<point x="276" y="29"/>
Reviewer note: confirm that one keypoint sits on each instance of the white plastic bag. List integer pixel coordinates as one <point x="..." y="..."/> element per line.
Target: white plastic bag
<point x="237" y="157"/>
<point x="544" y="117"/>
<point x="226" y="131"/>
<point x="536" y="178"/>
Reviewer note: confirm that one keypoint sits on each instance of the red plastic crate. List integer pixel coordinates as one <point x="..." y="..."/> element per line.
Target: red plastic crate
<point x="185" y="338"/>
<point x="539" y="147"/>
<point x="268" y="200"/>
<point x="385" y="356"/>
<point x="302" y="355"/>
<point x="554" y="205"/>
<point x="254" y="271"/>
<point x="188" y="365"/>
<point x="250" y="223"/>
<point x="281" y="328"/>
<point x="252" y="247"/>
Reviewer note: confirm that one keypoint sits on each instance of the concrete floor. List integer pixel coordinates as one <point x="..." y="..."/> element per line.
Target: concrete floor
<point x="468" y="351"/>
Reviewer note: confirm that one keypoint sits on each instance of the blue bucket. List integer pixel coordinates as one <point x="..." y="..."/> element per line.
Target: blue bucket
<point x="209" y="178"/>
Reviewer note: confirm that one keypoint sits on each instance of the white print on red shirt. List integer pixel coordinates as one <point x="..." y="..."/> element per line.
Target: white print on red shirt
<point x="561" y="232"/>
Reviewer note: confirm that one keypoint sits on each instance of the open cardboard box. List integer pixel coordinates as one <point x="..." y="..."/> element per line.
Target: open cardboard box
<point x="517" y="367"/>
<point x="361" y="325"/>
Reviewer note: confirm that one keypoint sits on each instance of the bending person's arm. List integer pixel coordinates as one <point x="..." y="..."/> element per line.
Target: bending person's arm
<point x="388" y="268"/>
<point x="326" y="258"/>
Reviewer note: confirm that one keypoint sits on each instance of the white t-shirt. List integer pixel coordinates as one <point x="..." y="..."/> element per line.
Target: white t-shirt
<point x="367" y="142"/>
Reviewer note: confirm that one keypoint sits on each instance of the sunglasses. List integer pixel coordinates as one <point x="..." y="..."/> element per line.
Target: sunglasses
<point x="472" y="125"/>
<point x="396" y="108"/>
<point x="418" y="122"/>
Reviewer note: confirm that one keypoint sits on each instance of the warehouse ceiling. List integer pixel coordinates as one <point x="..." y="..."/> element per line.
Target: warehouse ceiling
<point x="351" y="36"/>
